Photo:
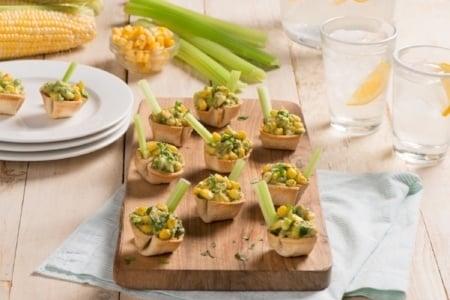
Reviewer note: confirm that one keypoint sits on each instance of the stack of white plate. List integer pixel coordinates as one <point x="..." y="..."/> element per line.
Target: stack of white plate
<point x="30" y="135"/>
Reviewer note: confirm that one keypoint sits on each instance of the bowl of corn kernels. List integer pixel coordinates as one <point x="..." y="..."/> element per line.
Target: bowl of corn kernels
<point x="143" y="49"/>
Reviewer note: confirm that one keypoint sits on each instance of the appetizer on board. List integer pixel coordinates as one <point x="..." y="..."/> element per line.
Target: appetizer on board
<point x="293" y="233"/>
<point x="286" y="182"/>
<point x="218" y="198"/>
<point x="225" y="148"/>
<point x="216" y="105"/>
<point x="162" y="164"/>
<point x="281" y="130"/>
<point x="156" y="230"/>
<point x="169" y="125"/>
<point x="12" y="94"/>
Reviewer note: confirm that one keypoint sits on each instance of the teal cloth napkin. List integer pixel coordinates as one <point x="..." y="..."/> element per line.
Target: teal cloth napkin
<point x="371" y="220"/>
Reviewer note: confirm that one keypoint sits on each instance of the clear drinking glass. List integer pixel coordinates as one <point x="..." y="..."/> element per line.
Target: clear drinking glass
<point x="357" y="56"/>
<point x="301" y="19"/>
<point x="421" y="103"/>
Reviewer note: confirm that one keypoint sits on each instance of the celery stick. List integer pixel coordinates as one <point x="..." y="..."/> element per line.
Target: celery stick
<point x="141" y="137"/>
<point x="250" y="72"/>
<point x="265" y="202"/>
<point x="151" y="100"/>
<point x="177" y="194"/>
<point x="264" y="100"/>
<point x="198" y="127"/>
<point x="233" y="80"/>
<point x="202" y="62"/>
<point x="237" y="169"/>
<point x="207" y="66"/>
<point x="312" y="163"/>
<point x="184" y="16"/>
<point x="69" y="71"/>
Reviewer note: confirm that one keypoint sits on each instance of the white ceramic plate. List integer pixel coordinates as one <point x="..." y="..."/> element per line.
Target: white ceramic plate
<point x="65" y="153"/>
<point x="110" y="100"/>
<point x="35" y="147"/>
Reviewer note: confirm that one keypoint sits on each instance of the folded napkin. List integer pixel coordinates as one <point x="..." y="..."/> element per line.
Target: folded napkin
<point x="371" y="221"/>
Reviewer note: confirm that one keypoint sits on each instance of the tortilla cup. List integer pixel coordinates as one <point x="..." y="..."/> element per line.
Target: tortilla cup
<point x="218" y="117"/>
<point x="283" y="195"/>
<point x="61" y="109"/>
<point x="281" y="142"/>
<point x="211" y="211"/>
<point x="289" y="247"/>
<point x="175" y="135"/>
<point x="143" y="167"/>
<point x="221" y="165"/>
<point x="11" y="103"/>
<point x="149" y="245"/>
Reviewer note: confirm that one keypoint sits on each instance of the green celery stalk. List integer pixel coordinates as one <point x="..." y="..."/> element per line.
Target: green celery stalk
<point x="207" y="66"/>
<point x="184" y="16"/>
<point x="237" y="169"/>
<point x="184" y="24"/>
<point x="264" y="100"/>
<point x="69" y="71"/>
<point x="143" y="149"/>
<point x="151" y="100"/>
<point x="312" y="163"/>
<point x="198" y="127"/>
<point x="233" y="80"/>
<point x="265" y="202"/>
<point x="250" y="72"/>
<point x="177" y="194"/>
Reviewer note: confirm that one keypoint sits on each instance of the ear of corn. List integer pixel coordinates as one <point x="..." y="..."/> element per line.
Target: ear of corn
<point x="27" y="30"/>
<point x="95" y="5"/>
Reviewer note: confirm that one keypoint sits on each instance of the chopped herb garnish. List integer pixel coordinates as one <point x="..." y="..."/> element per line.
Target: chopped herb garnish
<point x="242" y="117"/>
<point x="240" y="256"/>
<point x="129" y="260"/>
<point x="164" y="260"/>
<point x="207" y="253"/>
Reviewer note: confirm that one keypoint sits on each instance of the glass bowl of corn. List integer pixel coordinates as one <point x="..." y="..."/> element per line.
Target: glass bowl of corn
<point x="143" y="49"/>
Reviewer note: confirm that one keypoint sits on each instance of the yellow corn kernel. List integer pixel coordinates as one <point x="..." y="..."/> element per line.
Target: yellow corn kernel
<point x="162" y="206"/>
<point x="219" y="178"/>
<point x="282" y="211"/>
<point x="141" y="210"/>
<point x="206" y="194"/>
<point x="152" y="146"/>
<point x="235" y="185"/>
<point x="21" y="31"/>
<point x="171" y="223"/>
<point x="147" y="229"/>
<point x="165" y="234"/>
<point x="279" y="131"/>
<point x="234" y="194"/>
<point x="241" y="152"/>
<point x="196" y="190"/>
<point x="291" y="173"/>
<point x="202" y="105"/>
<point x="241" y="135"/>
<point x="216" y="137"/>
<point x="172" y="148"/>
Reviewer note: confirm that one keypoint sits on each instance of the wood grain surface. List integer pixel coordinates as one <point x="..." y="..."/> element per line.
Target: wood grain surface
<point x="206" y="260"/>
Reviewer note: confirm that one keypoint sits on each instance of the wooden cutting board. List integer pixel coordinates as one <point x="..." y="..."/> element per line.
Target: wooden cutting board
<point x="228" y="255"/>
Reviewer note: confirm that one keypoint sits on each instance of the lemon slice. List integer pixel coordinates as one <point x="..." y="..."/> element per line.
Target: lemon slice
<point x="446" y="85"/>
<point x="372" y="86"/>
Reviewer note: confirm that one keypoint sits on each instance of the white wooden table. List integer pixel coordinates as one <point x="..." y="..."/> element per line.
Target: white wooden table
<point x="41" y="203"/>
